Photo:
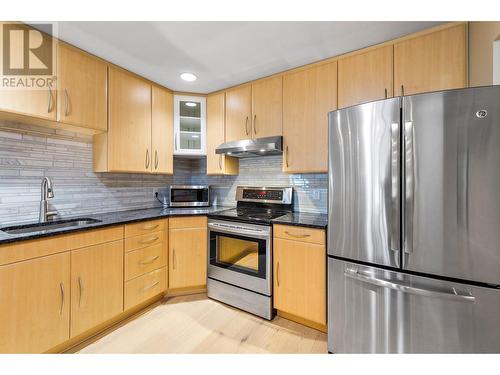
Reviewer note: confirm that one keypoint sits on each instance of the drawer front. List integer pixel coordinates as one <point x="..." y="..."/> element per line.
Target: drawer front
<point x="145" y="287"/>
<point x="145" y="240"/>
<point x="187" y="222"/>
<point x="139" y="262"/>
<point x="145" y="227"/>
<point x="295" y="233"/>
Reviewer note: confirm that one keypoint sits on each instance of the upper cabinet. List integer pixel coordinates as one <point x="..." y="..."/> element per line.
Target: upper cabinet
<point x="239" y="113"/>
<point x="81" y="85"/>
<point x="189" y="125"/>
<point x="267" y="107"/>
<point x="308" y="95"/>
<point x="218" y="164"/>
<point x="365" y="76"/>
<point x="162" y="128"/>
<point x="431" y="62"/>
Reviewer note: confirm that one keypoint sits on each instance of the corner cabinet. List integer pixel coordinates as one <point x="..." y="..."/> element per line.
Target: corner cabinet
<point x="189" y="125"/>
<point x="308" y="95"/>
<point x="218" y="164"/>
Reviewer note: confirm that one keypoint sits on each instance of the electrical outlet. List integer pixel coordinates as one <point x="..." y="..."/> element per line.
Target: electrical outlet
<point x="316" y="194"/>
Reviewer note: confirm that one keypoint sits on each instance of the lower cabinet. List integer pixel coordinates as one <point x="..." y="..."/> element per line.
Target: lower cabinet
<point x="300" y="274"/>
<point x="187" y="252"/>
<point x="145" y="286"/>
<point x="34" y="304"/>
<point x="96" y="285"/>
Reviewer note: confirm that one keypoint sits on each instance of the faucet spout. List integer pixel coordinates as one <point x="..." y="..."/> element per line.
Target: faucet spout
<point x="47" y="192"/>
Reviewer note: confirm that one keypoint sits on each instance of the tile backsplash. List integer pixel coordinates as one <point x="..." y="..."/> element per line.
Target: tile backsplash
<point x="28" y="153"/>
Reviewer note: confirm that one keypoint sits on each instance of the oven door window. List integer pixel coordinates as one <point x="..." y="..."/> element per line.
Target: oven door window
<point x="238" y="253"/>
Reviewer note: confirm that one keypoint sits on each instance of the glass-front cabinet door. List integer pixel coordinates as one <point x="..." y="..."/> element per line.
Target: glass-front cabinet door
<point x="189" y="125"/>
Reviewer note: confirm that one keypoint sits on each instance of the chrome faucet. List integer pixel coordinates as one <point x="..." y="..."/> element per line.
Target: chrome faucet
<point x="47" y="193"/>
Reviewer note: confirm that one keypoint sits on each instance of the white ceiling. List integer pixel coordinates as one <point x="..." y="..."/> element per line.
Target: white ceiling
<point x="224" y="54"/>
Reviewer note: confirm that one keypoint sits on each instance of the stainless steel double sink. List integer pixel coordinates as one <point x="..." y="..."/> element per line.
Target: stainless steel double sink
<point x="50" y="225"/>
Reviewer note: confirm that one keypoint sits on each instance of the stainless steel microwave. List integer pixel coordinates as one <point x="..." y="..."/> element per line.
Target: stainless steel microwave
<point x="189" y="196"/>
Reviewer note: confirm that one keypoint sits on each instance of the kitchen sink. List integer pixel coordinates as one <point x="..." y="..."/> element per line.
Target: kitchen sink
<point x="50" y="225"/>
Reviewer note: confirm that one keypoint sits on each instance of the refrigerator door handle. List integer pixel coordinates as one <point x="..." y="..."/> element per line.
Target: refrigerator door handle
<point x="395" y="195"/>
<point x="453" y="295"/>
<point x="409" y="151"/>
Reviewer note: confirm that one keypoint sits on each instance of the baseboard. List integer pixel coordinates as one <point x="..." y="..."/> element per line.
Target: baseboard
<point x="300" y="320"/>
<point x="186" y="291"/>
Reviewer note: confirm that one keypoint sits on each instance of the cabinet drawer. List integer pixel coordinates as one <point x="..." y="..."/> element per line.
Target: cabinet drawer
<point x="188" y="222"/>
<point x="290" y="232"/>
<point x="145" y="240"/>
<point x="139" y="262"/>
<point x="144" y="287"/>
<point x="144" y="227"/>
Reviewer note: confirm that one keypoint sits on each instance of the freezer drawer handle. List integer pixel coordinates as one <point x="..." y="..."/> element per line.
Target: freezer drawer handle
<point x="454" y="295"/>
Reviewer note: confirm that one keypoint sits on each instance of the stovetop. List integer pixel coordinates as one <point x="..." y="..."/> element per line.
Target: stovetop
<point x="250" y="214"/>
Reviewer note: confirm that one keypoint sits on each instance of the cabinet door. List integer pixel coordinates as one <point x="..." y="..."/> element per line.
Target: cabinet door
<point x="162" y="131"/>
<point x="308" y="96"/>
<point x="129" y="127"/>
<point x="82" y="92"/>
<point x="96" y="285"/>
<point x="37" y="103"/>
<point x="239" y="113"/>
<point x="267" y="107"/>
<point x="187" y="263"/>
<point x="34" y="304"/>
<point x="218" y="164"/>
<point x="300" y="279"/>
<point x="431" y="62"/>
<point x="366" y="77"/>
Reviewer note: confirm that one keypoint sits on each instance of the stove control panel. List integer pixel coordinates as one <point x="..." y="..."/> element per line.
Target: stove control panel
<point x="280" y="195"/>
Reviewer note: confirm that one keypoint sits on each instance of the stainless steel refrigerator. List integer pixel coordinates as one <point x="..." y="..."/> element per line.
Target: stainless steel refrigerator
<point x="414" y="224"/>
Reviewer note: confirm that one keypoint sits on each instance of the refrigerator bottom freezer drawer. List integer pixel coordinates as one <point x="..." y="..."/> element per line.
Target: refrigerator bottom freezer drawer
<point x="372" y="310"/>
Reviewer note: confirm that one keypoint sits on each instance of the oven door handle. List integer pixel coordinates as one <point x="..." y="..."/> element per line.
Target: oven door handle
<point x="239" y="231"/>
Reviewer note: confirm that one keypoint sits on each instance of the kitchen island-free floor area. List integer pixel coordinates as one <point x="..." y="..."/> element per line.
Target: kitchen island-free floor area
<point x="196" y="324"/>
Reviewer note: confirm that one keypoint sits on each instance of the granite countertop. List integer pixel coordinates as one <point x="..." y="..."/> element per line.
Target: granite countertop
<point x="303" y="219"/>
<point x="108" y="219"/>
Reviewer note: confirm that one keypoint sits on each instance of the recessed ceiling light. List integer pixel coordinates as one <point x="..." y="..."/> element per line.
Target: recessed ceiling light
<point x="190" y="77"/>
<point x="190" y="104"/>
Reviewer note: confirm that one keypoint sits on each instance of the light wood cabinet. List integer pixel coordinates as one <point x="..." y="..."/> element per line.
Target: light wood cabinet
<point x="126" y="147"/>
<point x="365" y="77"/>
<point x="34" y="304"/>
<point x="187" y="251"/>
<point x="82" y="88"/>
<point x="431" y="62"/>
<point x="218" y="164"/>
<point x="267" y="107"/>
<point x="144" y="287"/>
<point x="96" y="285"/>
<point x="300" y="280"/>
<point x="308" y="96"/>
<point x="239" y="113"/>
<point x="162" y="124"/>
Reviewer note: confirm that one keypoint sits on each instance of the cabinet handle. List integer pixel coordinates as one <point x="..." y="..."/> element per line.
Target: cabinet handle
<point x="246" y="126"/>
<point x="175" y="141"/>
<point x="61" y="287"/>
<point x="66" y="103"/>
<point x="145" y="289"/>
<point x="254" y="126"/>
<point x="297" y="235"/>
<point x="385" y="90"/>
<point x="278" y="273"/>
<point x="149" y="260"/>
<point x="286" y="156"/>
<point x="173" y="259"/>
<point x="150" y="227"/>
<point x="402" y="90"/>
<point x="156" y="159"/>
<point x="147" y="159"/>
<point x="220" y="161"/>
<point x="150" y="240"/>
<point x="81" y="288"/>
<point x="49" y="104"/>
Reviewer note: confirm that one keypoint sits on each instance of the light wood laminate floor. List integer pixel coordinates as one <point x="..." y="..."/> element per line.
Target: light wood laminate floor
<point x="196" y="324"/>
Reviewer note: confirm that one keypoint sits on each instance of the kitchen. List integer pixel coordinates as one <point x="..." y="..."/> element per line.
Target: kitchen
<point x="151" y="211"/>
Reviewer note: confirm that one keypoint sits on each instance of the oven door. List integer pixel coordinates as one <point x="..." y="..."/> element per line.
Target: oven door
<point x="240" y="254"/>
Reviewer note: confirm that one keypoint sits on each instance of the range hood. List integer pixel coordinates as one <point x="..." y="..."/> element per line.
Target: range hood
<point x="252" y="147"/>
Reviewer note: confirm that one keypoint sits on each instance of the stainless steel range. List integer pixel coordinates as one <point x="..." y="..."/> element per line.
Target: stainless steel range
<point x="240" y="248"/>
